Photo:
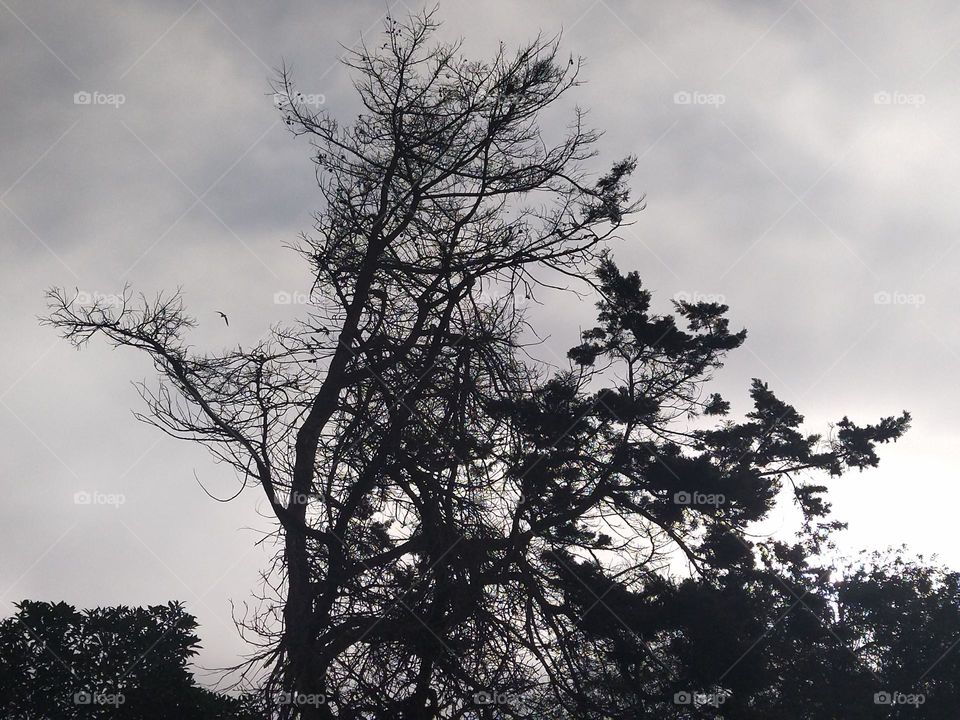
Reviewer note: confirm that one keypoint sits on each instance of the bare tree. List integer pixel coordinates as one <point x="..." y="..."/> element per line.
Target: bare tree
<point x="455" y="518"/>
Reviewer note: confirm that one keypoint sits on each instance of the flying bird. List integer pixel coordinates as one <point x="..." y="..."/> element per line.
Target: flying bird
<point x="224" y="316"/>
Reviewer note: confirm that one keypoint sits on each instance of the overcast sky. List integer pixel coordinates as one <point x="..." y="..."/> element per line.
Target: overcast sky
<point x="798" y="158"/>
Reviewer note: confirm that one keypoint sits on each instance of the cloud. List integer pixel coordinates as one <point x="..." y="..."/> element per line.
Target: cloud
<point x="798" y="198"/>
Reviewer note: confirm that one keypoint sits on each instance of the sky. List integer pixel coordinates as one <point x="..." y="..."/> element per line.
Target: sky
<point x="798" y="161"/>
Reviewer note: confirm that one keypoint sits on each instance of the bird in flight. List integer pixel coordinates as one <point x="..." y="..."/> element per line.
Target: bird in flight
<point x="224" y="316"/>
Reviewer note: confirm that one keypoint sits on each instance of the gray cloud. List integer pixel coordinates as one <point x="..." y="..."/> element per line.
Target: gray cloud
<point x="812" y="168"/>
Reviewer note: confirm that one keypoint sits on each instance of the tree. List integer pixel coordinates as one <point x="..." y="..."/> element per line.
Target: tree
<point x="460" y="523"/>
<point x="116" y="662"/>
<point x="803" y="640"/>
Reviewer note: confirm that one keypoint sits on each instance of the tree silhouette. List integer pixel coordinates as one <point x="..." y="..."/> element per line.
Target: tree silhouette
<point x="466" y="532"/>
<point x="113" y="662"/>
<point x="803" y="640"/>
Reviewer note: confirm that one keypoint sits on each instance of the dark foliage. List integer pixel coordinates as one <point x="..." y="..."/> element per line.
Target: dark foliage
<point x="459" y="522"/>
<point x="123" y="663"/>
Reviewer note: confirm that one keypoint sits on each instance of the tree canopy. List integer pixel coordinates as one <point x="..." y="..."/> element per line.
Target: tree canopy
<point x="466" y="530"/>
<point x="108" y="662"/>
